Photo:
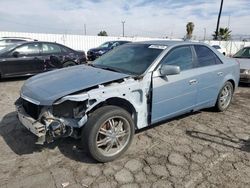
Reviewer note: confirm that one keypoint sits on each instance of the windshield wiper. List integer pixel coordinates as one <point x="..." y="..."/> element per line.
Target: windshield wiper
<point x="107" y="68"/>
<point x="246" y="57"/>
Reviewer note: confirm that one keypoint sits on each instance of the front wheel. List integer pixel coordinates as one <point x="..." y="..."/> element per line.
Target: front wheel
<point x="224" y="97"/>
<point x="108" y="133"/>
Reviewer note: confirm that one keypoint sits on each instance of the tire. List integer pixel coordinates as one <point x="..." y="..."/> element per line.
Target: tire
<point x="69" y="64"/>
<point x="102" y="142"/>
<point x="225" y="97"/>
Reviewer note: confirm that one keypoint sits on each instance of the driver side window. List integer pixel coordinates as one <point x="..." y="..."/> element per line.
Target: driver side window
<point x="181" y="56"/>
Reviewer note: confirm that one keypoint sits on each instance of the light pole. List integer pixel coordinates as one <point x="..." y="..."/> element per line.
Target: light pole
<point x="205" y="31"/>
<point x="123" y="22"/>
<point x="218" y="21"/>
<point x="85" y="30"/>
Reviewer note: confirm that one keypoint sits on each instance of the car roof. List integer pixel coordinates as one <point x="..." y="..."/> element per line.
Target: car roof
<point x="118" y="41"/>
<point x="17" y="38"/>
<point x="29" y="42"/>
<point x="167" y="42"/>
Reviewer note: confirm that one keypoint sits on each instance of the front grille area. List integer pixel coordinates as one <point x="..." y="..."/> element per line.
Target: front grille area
<point x="90" y="53"/>
<point x="242" y="70"/>
<point x="31" y="109"/>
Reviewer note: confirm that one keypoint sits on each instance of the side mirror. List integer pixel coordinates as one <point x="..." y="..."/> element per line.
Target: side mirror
<point x="169" y="70"/>
<point x="15" y="54"/>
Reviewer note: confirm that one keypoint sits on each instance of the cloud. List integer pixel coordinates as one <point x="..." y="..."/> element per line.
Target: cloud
<point x="155" y="18"/>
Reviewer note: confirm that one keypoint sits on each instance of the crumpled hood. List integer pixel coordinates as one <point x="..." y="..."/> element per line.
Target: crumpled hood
<point x="244" y="63"/>
<point x="47" y="87"/>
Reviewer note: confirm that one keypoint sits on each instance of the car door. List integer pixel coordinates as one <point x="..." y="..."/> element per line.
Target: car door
<point x="22" y="60"/>
<point x="174" y="94"/>
<point x="52" y="55"/>
<point x="211" y="73"/>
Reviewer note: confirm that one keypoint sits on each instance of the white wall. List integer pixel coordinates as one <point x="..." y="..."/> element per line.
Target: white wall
<point x="77" y="42"/>
<point x="81" y="42"/>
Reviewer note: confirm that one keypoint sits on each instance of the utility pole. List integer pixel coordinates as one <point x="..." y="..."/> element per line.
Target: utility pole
<point x="218" y="21"/>
<point x="123" y="22"/>
<point x="85" y="30"/>
<point x="228" y="23"/>
<point x="205" y="31"/>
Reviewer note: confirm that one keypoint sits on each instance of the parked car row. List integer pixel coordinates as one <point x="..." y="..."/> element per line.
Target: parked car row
<point x="24" y="56"/>
<point x="29" y="58"/>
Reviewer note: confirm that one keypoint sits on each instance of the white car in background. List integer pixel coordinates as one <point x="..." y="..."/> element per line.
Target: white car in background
<point x="6" y="41"/>
<point x="220" y="49"/>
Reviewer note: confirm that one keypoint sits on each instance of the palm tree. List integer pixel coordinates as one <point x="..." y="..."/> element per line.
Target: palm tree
<point x="189" y="28"/>
<point x="222" y="34"/>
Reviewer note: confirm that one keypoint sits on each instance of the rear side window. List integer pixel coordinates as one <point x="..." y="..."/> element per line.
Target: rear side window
<point x="205" y="56"/>
<point x="181" y="56"/>
<point x="66" y="50"/>
<point x="51" y="48"/>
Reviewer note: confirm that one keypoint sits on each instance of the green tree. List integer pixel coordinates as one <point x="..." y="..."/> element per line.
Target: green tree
<point x="223" y="34"/>
<point x="189" y="29"/>
<point x="102" y="33"/>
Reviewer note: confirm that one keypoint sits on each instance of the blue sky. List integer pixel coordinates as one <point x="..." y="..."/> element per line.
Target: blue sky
<point x="150" y="18"/>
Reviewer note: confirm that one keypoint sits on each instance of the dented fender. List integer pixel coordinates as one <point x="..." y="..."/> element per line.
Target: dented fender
<point x="134" y="91"/>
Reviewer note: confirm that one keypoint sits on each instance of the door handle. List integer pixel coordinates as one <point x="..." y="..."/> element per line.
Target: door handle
<point x="220" y="73"/>
<point x="194" y="81"/>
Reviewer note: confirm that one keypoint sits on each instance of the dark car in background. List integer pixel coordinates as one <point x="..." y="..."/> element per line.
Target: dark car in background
<point x="29" y="58"/>
<point x="94" y="53"/>
<point x="243" y="57"/>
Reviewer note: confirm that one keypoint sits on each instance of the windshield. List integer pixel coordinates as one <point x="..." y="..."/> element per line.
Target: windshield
<point x="8" y="48"/>
<point x="106" y="45"/>
<point x="130" y="58"/>
<point x="243" y="53"/>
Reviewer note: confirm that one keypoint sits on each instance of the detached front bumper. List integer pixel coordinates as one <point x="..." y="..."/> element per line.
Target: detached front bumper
<point x="31" y="124"/>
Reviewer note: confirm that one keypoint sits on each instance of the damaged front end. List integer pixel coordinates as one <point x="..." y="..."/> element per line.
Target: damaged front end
<point x="49" y="123"/>
<point x="67" y="115"/>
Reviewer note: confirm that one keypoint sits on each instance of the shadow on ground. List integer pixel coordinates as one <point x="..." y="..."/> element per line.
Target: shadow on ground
<point x="221" y="139"/>
<point x="21" y="78"/>
<point x="21" y="141"/>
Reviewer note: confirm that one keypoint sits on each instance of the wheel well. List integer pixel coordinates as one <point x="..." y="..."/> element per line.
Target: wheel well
<point x="232" y="82"/>
<point x="122" y="103"/>
<point x="69" y="61"/>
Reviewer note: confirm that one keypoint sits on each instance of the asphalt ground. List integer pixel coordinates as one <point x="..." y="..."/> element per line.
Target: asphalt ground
<point x="201" y="149"/>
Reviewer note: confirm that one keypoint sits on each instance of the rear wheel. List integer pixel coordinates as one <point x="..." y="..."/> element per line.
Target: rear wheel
<point x="224" y="97"/>
<point x="108" y="133"/>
